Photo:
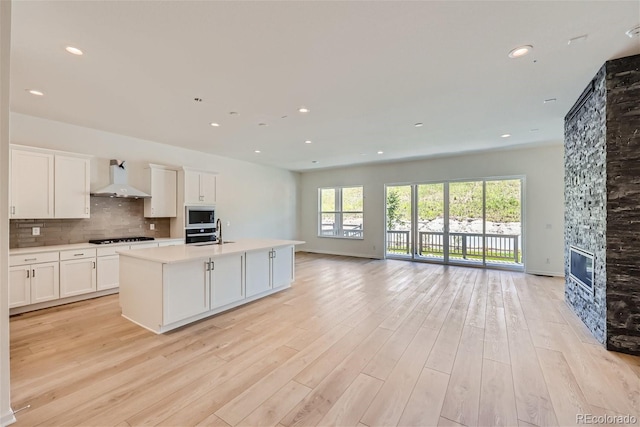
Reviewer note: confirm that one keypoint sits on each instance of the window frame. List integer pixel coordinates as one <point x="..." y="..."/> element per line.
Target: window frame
<point x="338" y="228"/>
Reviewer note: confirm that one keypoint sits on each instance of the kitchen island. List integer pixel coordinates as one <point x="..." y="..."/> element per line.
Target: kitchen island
<point x="164" y="288"/>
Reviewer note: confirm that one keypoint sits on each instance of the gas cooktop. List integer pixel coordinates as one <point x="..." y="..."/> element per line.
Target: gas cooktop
<point x="120" y="240"/>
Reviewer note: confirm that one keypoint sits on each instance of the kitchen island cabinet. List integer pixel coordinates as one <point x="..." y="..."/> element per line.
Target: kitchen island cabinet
<point x="167" y="287"/>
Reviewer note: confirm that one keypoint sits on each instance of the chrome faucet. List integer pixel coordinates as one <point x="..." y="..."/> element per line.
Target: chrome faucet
<point x="219" y="230"/>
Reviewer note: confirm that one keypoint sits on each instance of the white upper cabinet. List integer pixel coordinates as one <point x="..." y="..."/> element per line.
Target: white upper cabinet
<point x="31" y="184"/>
<point x="162" y="187"/>
<point x="48" y="184"/>
<point x="72" y="181"/>
<point x="199" y="187"/>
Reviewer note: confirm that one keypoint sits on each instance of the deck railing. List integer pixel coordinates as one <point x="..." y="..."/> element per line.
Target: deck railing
<point x="499" y="247"/>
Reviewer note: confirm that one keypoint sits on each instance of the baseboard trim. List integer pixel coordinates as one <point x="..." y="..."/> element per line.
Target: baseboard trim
<point x="356" y="255"/>
<point x="545" y="273"/>
<point x="8" y="418"/>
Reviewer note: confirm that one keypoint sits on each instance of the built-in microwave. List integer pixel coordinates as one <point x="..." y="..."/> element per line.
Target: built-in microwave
<point x="200" y="217"/>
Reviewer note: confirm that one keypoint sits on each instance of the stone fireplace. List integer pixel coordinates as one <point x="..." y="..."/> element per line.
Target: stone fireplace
<point x="602" y="203"/>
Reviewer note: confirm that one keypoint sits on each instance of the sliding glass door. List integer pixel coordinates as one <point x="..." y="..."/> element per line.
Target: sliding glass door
<point x="463" y="222"/>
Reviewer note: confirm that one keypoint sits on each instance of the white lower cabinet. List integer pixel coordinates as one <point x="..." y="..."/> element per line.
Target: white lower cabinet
<point x="258" y="278"/>
<point x="33" y="278"/>
<point x="282" y="266"/>
<point x="19" y="286"/>
<point x="186" y="290"/>
<point x="269" y="269"/>
<point x="108" y="272"/>
<point x="77" y="276"/>
<point x="227" y="285"/>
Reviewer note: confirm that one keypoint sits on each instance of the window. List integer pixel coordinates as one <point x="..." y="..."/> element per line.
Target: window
<point x="340" y="212"/>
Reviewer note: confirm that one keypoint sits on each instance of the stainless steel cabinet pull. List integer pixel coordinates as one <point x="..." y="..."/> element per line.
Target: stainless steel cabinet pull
<point x="13" y="210"/>
<point x="78" y="254"/>
<point x="207" y="266"/>
<point x="274" y="254"/>
<point x="94" y="265"/>
<point x="28" y="271"/>
<point x="33" y="273"/>
<point x="213" y="265"/>
<point x="30" y="259"/>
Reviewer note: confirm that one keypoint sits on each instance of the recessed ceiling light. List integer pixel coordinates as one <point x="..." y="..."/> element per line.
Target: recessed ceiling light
<point x="546" y="101"/>
<point x="520" y="51"/>
<point x="634" y="32"/>
<point x="308" y="141"/>
<point x="215" y="125"/>
<point x="35" y="92"/>
<point x="257" y="151"/>
<point x="419" y="125"/>
<point x="380" y="152"/>
<point x="197" y="99"/>
<point x="303" y="110"/>
<point x="73" y="50"/>
<point x="505" y="135"/>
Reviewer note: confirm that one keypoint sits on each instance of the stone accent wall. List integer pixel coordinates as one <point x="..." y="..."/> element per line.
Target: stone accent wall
<point x="585" y="216"/>
<point x="623" y="204"/>
<point x="602" y="202"/>
<point x="110" y="217"/>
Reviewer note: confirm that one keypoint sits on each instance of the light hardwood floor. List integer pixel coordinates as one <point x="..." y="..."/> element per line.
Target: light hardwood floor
<point x="354" y="342"/>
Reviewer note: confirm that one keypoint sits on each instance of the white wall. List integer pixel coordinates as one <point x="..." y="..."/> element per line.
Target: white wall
<point x="542" y="167"/>
<point x="6" y="415"/>
<point x="258" y="201"/>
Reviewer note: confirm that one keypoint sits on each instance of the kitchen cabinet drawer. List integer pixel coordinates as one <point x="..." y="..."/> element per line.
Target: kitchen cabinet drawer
<point x="33" y="258"/>
<point x="112" y="250"/>
<point x="171" y="243"/>
<point x="144" y="246"/>
<point x="77" y="254"/>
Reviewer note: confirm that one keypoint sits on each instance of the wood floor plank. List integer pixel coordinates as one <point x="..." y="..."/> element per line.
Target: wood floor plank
<point x="277" y="406"/>
<point x="242" y="405"/>
<point x="497" y="397"/>
<point x="426" y="400"/>
<point x="564" y="390"/>
<point x="462" y="400"/>
<point x="532" y="396"/>
<point x="350" y="407"/>
<point x="387" y="407"/>
<point x="321" y="399"/>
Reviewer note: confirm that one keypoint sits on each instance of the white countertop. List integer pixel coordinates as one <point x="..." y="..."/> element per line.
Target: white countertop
<point x="76" y="246"/>
<point x="181" y="253"/>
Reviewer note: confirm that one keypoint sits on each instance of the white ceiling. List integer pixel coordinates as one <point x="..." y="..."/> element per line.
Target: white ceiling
<point x="368" y="71"/>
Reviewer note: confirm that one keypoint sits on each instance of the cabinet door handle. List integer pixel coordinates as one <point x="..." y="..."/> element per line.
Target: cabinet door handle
<point x="30" y="259"/>
<point x="213" y="265"/>
<point x="78" y="254"/>
<point x="33" y="273"/>
<point x="28" y="272"/>
<point x="86" y="210"/>
<point x="13" y="210"/>
<point x="94" y="265"/>
<point x="274" y="254"/>
<point x="207" y="266"/>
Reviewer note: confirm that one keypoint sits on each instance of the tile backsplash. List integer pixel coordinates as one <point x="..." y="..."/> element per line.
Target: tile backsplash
<point x="110" y="217"/>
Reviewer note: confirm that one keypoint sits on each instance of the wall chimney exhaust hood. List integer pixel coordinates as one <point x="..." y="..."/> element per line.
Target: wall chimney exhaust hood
<point x="118" y="186"/>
